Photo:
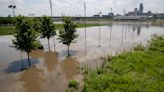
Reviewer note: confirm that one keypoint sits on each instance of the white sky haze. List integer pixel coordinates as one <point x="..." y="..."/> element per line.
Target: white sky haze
<point x="76" y="7"/>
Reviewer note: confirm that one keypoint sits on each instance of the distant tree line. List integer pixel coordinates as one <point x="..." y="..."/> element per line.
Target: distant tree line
<point x="6" y="20"/>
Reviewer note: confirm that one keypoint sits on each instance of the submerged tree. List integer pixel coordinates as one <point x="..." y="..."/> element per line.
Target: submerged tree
<point x="25" y="35"/>
<point x="47" y="28"/>
<point x="68" y="35"/>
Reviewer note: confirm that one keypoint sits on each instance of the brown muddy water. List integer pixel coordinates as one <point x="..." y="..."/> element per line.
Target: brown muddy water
<point x="52" y="70"/>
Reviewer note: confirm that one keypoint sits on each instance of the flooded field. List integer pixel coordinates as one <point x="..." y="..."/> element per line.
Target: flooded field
<point x="52" y="70"/>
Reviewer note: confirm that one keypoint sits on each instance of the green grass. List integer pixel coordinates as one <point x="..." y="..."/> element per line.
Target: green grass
<point x="9" y="30"/>
<point x="137" y="71"/>
<point x="6" y="30"/>
<point x="87" y="25"/>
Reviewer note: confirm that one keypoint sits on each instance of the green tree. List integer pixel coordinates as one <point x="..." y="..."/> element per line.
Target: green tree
<point x="47" y="28"/>
<point x="37" y="24"/>
<point x="25" y="35"/>
<point x="68" y="35"/>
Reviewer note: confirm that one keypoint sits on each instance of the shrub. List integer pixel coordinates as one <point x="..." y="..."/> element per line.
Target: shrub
<point x="139" y="47"/>
<point x="73" y="84"/>
<point x="138" y="71"/>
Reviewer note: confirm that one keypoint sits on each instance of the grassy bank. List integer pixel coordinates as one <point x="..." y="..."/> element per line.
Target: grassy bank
<point x="8" y="30"/>
<point x="139" y="71"/>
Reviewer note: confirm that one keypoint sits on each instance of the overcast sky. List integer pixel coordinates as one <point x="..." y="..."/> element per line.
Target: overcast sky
<point x="76" y="7"/>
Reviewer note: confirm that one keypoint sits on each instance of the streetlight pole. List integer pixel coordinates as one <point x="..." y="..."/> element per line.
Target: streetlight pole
<point x="85" y="25"/>
<point x="51" y="7"/>
<point x="12" y="7"/>
<point x="13" y="12"/>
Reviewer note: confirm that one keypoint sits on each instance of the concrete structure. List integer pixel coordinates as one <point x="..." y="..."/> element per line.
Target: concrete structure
<point x="158" y="15"/>
<point x="110" y="15"/>
<point x="137" y="17"/>
<point x="96" y="16"/>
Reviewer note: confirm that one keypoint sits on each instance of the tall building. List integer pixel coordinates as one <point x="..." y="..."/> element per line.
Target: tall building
<point x="141" y="9"/>
<point x="136" y="11"/>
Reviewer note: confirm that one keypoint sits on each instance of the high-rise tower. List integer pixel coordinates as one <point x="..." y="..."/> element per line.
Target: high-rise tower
<point x="141" y="9"/>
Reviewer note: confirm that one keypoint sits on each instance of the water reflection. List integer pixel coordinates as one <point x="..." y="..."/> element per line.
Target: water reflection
<point x="69" y="67"/>
<point x="55" y="73"/>
<point x="16" y="66"/>
<point x="121" y="37"/>
<point x="138" y="30"/>
<point x="110" y="39"/>
<point x="99" y="36"/>
<point x="51" y="60"/>
<point x="127" y="33"/>
<point x="32" y="80"/>
<point x="85" y="37"/>
<point x="53" y="70"/>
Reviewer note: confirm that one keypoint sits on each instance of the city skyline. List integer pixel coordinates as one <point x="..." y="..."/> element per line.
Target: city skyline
<point x="75" y="7"/>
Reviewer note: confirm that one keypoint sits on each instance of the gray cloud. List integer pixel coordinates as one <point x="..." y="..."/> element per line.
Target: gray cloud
<point x="75" y="7"/>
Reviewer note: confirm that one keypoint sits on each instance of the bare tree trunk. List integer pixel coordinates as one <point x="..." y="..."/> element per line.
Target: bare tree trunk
<point x="68" y="50"/>
<point x="48" y="45"/>
<point x="29" y="59"/>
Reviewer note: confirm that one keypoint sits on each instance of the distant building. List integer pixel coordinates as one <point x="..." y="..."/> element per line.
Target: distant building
<point x="117" y="15"/>
<point x="105" y="16"/>
<point x="136" y="11"/>
<point x="149" y="13"/>
<point x="132" y="17"/>
<point x="158" y="15"/>
<point x="141" y="8"/>
<point x="110" y="15"/>
<point x="133" y="13"/>
<point x="96" y="16"/>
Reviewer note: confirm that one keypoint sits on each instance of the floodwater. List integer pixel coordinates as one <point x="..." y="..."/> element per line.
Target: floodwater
<point x="51" y="70"/>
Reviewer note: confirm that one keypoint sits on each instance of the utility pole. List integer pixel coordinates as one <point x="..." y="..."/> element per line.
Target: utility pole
<point x="85" y="25"/>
